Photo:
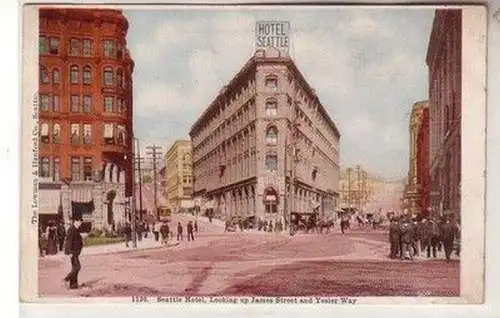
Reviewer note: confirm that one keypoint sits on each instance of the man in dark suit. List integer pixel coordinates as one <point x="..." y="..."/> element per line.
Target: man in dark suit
<point x="74" y="245"/>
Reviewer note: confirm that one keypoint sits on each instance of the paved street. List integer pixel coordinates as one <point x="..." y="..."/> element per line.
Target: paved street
<point x="252" y="263"/>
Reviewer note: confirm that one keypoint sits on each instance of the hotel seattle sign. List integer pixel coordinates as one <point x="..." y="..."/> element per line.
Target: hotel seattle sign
<point x="273" y="34"/>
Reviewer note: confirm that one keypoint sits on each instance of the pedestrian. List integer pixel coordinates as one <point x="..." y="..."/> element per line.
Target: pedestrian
<point x="190" y="231"/>
<point x="416" y="238"/>
<point x="425" y="236"/>
<point x="394" y="238"/>
<point x="196" y="226"/>
<point x="179" y="231"/>
<point x="52" y="242"/>
<point x="435" y="234"/>
<point x="406" y="237"/>
<point x="156" y="230"/>
<point x="164" y="231"/>
<point x="61" y="235"/>
<point x="139" y="229"/>
<point x="146" y="229"/>
<point x="42" y="241"/>
<point x="127" y="233"/>
<point x="448" y="237"/>
<point x="74" y="245"/>
<point x="456" y="244"/>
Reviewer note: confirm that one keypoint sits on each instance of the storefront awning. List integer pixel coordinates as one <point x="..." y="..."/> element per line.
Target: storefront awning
<point x="49" y="201"/>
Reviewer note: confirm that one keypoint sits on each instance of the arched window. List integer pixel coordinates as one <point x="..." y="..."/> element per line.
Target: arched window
<point x="75" y="74"/>
<point x="271" y="107"/>
<point x="272" y="135"/>
<point x="44" y="75"/>
<point x="271" y="162"/>
<point x="56" y="76"/>
<point x="108" y="76"/>
<point x="87" y="75"/>
<point x="271" y="200"/>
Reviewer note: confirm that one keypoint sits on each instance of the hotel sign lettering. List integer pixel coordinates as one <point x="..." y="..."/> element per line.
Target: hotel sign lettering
<point x="273" y="34"/>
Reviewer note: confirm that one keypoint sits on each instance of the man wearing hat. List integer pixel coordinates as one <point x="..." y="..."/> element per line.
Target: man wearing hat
<point x="74" y="245"/>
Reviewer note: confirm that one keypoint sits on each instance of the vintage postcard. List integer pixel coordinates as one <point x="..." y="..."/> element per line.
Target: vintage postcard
<point x="253" y="155"/>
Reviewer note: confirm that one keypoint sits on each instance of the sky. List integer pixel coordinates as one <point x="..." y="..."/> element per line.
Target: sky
<point x="366" y="65"/>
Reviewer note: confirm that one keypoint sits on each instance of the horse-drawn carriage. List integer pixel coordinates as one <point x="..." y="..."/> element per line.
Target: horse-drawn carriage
<point x="307" y="222"/>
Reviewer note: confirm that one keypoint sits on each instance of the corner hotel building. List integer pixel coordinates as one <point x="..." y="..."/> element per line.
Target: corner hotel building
<point x="240" y="165"/>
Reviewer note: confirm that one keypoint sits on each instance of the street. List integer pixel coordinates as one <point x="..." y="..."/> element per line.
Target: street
<point x="253" y="264"/>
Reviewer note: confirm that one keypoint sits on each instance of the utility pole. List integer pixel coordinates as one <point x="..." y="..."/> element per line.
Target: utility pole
<point x="133" y="203"/>
<point x="139" y="160"/>
<point x="155" y="151"/>
<point x="349" y="200"/>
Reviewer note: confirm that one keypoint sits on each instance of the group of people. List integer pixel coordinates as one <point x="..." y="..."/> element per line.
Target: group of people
<point x="161" y="231"/>
<point x="409" y="237"/>
<point x="51" y="238"/>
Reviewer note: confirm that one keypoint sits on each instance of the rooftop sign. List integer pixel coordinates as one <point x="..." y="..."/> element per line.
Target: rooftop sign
<point x="273" y="34"/>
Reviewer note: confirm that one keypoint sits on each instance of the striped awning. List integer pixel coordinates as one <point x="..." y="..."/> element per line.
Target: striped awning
<point x="49" y="201"/>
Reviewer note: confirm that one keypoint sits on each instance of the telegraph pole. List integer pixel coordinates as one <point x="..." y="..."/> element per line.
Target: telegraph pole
<point x="154" y="151"/>
<point x="139" y="160"/>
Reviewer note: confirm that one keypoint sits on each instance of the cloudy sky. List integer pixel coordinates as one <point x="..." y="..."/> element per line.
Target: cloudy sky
<point x="367" y="66"/>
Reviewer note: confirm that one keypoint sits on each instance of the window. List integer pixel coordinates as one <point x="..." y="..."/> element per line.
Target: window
<point x="87" y="104"/>
<point x="56" y="76"/>
<point x="87" y="134"/>
<point x="87" y="75"/>
<point x="108" y="133"/>
<point x="272" y="135"/>
<point x="271" y="108"/>
<point x="108" y="48"/>
<point x="75" y="103"/>
<point x="75" y="134"/>
<point x="54" y="46"/>
<point x="44" y="75"/>
<point x="74" y="47"/>
<point x="271" y="200"/>
<point x="42" y="45"/>
<point x="108" y="76"/>
<point x="75" y="75"/>
<point x="271" y="81"/>
<point x="56" y="134"/>
<point x="44" y="103"/>
<point x="44" y="133"/>
<point x="121" y="135"/>
<point x="87" y="168"/>
<point x="119" y="51"/>
<point x="271" y="162"/>
<point x="56" y="174"/>
<point x="87" y="47"/>
<point x="44" y="167"/>
<point x="75" y="169"/>
<point x="119" y="105"/>
<point x="55" y="103"/>
<point x="108" y="104"/>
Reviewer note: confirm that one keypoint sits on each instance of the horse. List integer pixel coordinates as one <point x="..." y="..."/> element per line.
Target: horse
<point x="325" y="224"/>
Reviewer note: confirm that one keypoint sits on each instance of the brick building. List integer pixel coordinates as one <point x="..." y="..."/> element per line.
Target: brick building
<point x="418" y="156"/>
<point x="179" y="176"/>
<point x="444" y="60"/>
<point x="264" y="130"/>
<point x="422" y="161"/>
<point x="85" y="112"/>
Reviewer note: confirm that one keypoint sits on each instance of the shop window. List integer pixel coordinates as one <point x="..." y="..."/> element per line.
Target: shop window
<point x="272" y="135"/>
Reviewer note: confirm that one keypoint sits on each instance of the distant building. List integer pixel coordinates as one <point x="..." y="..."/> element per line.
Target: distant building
<point x="358" y="189"/>
<point x="416" y="194"/>
<point x="179" y="176"/>
<point x="85" y="115"/>
<point x="265" y="130"/>
<point x="444" y="59"/>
